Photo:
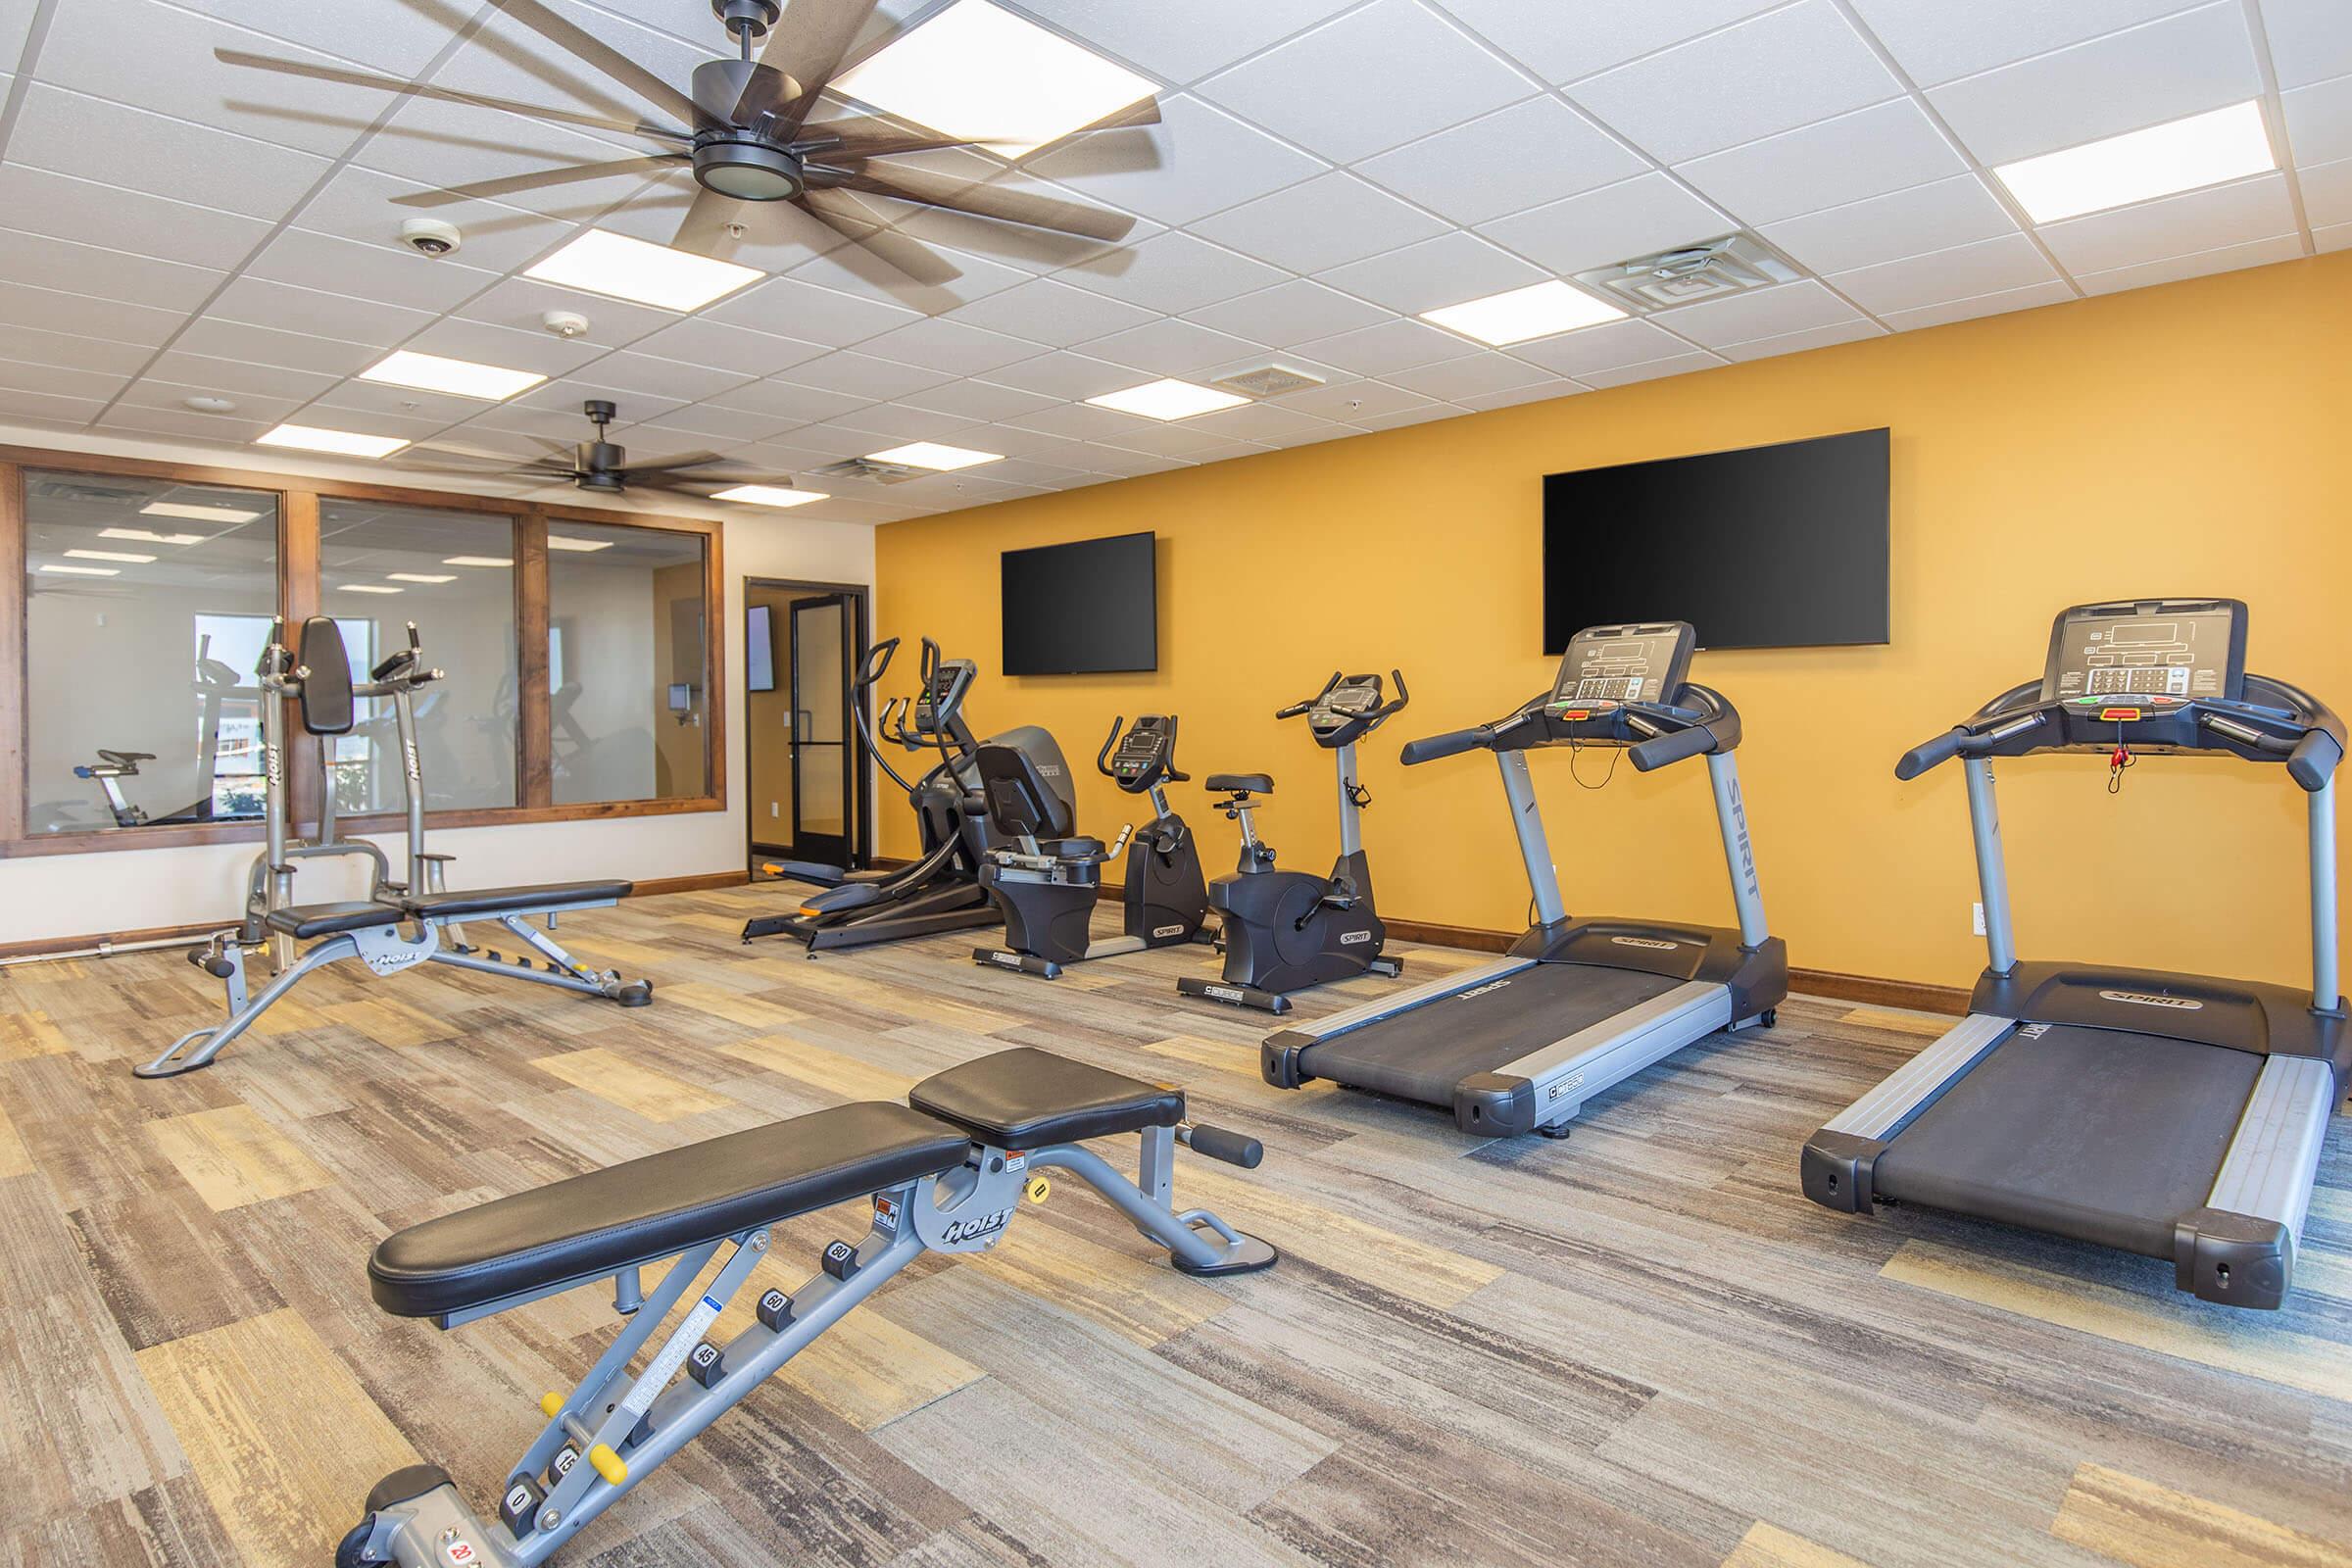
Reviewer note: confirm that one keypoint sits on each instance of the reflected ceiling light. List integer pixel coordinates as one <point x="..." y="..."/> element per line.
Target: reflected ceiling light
<point x="933" y="455"/>
<point x="149" y="537"/>
<point x="421" y="577"/>
<point x="1540" y="310"/>
<point x="981" y="73"/>
<point x="624" y="268"/>
<point x="343" y="443"/>
<point x="84" y="571"/>
<point x="1168" y="400"/>
<point x="476" y="561"/>
<point x="556" y="541"/>
<point x="193" y="513"/>
<point x="2142" y="164"/>
<point x="768" y="495"/>
<point x="430" y="372"/>
<point x="110" y="555"/>
<point x="366" y="588"/>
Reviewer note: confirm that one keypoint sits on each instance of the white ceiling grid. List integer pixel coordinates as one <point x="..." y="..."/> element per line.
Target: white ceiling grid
<point x="173" y="227"/>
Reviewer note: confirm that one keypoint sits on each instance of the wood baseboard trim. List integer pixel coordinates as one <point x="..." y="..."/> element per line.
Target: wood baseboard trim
<point x="699" y="882"/>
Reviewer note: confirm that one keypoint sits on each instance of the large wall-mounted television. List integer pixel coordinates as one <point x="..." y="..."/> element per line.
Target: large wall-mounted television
<point x="1083" y="608"/>
<point x="1769" y="547"/>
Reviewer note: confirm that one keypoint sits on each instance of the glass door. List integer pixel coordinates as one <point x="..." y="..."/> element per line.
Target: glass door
<point x="821" y="632"/>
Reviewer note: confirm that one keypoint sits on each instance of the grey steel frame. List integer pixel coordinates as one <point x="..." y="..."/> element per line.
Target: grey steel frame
<point x="624" y="1426"/>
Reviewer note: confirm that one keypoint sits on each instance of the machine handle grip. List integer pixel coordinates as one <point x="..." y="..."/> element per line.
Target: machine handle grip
<point x="877" y="660"/>
<point x="1404" y="697"/>
<point x="2312" y="761"/>
<point x="1431" y="748"/>
<point x="1671" y="747"/>
<point x="1102" y="757"/>
<point x="1218" y="1143"/>
<point x="1932" y="754"/>
<point x="1296" y="709"/>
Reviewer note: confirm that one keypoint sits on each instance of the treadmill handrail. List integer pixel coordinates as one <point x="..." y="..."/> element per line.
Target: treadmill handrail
<point x="2296" y="730"/>
<point x="1431" y="748"/>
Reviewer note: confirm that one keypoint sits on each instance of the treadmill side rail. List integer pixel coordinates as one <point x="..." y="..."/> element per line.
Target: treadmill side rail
<point x="1834" y="1169"/>
<point x="2239" y="1250"/>
<point x="1547" y="1087"/>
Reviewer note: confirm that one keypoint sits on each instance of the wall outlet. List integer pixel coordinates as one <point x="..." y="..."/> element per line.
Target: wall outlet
<point x="1978" y="918"/>
<point x="775" y="808"/>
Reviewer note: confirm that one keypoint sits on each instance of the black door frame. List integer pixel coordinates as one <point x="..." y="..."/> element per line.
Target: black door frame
<point x="859" y="594"/>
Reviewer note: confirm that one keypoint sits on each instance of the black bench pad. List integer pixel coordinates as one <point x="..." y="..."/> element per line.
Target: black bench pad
<point x="302" y="921"/>
<point x="1227" y="783"/>
<point x="1026" y="1097"/>
<point x="514" y="900"/>
<point x="649" y="1209"/>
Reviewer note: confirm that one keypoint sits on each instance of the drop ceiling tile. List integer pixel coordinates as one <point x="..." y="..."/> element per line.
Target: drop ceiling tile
<point x="158" y="155"/>
<point x="407" y="403"/>
<point x="1177" y="440"/>
<point x="777" y="236"/>
<point x="397" y="39"/>
<point x="49" y="311"/>
<point x="1614" y="223"/>
<point x="1198" y="160"/>
<point x="1562" y="48"/>
<point x="1887" y="147"/>
<point x="1120" y="465"/>
<point x="1372" y="79"/>
<point x="1356" y="402"/>
<point x="1325" y="223"/>
<point x="1542" y="392"/>
<point x="2333" y="238"/>
<point x="1082" y="421"/>
<point x="976" y="400"/>
<point x="1064" y="374"/>
<point x="507" y="58"/>
<point x="1172" y="274"/>
<point x="1516" y="157"/>
<point x="702" y="343"/>
<point x="653" y="376"/>
<point x="891" y="423"/>
<point x="224" y="339"/>
<point x="170" y="397"/>
<point x="865" y="274"/>
<point x="1757" y="79"/>
<point x="2311" y="40"/>
<point x="1766" y="313"/>
<point x="2180" y="65"/>
<point x="63" y="208"/>
<point x="1037" y="445"/>
<point x="1997" y="304"/>
<point x="1445" y="270"/>
<point x="1817" y="337"/>
<point x="949" y="346"/>
<point x="2327" y="192"/>
<point x="1290" y="313"/>
<point x="443" y="145"/>
<point x="231" y="431"/>
<point x="1886" y="229"/>
<point x="2319" y="121"/>
<point x="1045" y="476"/>
<point x="1269" y="423"/>
<point x="1474" y="376"/>
<point x="18" y="376"/>
<point x="790" y="307"/>
<point x="1610" y="346"/>
<point x="258" y="302"/>
<point x="1169" y="347"/>
<point x="458" y="339"/>
<point x="2198" y="263"/>
<point x="30" y="345"/>
<point x="1055" y="314"/>
<point x="237" y="378"/>
<point x="2175" y="225"/>
<point x="1397" y="419"/>
<point x="381" y="272"/>
<point x="863" y="375"/>
<point x="700" y="423"/>
<point x="1934" y="43"/>
<point x="48" y="408"/>
<point x="357" y="204"/>
<point x="1182" y="44"/>
<point x="99" y="274"/>
<point x="16" y="24"/>
<point x="1651" y="371"/>
<point x="1393" y="345"/>
<point x="1962" y="272"/>
<point x="782" y="401"/>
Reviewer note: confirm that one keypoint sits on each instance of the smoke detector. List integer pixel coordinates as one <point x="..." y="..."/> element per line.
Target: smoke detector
<point x="1272" y="382"/>
<point x="1688" y="273"/>
<point x="872" y="473"/>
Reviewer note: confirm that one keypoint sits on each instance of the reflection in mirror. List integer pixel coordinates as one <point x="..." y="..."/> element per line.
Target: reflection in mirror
<point x="626" y="700"/>
<point x="147" y="604"/>
<point x="453" y="574"/>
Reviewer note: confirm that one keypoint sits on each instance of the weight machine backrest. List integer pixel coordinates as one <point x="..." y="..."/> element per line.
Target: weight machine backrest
<point x="327" y="708"/>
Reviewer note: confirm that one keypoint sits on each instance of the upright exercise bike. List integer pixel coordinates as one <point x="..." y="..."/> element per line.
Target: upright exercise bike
<point x="1046" y="881"/>
<point x="1284" y="931"/>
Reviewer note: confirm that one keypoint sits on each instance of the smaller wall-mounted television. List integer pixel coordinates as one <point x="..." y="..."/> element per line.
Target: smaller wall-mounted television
<point x="1084" y="609"/>
<point x="759" y="648"/>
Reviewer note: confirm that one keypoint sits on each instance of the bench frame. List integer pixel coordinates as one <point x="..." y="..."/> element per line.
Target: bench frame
<point x="624" y="1426"/>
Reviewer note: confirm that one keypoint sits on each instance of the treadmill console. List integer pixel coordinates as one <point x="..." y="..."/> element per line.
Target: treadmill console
<point x="1607" y="665"/>
<point x="942" y="694"/>
<point x="2148" y="653"/>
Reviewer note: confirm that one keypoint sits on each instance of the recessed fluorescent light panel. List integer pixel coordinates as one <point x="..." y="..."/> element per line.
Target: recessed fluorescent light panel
<point x="2142" y="164"/>
<point x="148" y="537"/>
<point x="765" y="495"/>
<point x="84" y="571"/>
<point x="421" y="577"/>
<point x="190" y="511"/>
<point x="932" y="455"/>
<point x="476" y="561"/>
<point x="1168" y="400"/>
<point x="343" y="443"/>
<point x="1537" y="311"/>
<point x="430" y="372"/>
<point x="556" y="541"/>
<point x="625" y="268"/>
<point x="982" y="73"/>
<point x="366" y="588"/>
<point x="109" y="555"/>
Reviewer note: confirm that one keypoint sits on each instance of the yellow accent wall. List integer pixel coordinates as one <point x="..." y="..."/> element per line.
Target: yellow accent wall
<point x="2192" y="439"/>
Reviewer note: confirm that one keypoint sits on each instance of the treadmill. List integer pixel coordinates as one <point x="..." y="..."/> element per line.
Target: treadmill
<point x="1520" y="1043"/>
<point x="2173" y="1115"/>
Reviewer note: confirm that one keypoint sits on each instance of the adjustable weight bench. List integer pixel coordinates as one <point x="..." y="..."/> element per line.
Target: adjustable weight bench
<point x="943" y="1173"/>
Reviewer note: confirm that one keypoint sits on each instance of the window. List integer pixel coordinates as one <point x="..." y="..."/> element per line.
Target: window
<point x="146" y="605"/>
<point x="627" y="709"/>
<point x="452" y="573"/>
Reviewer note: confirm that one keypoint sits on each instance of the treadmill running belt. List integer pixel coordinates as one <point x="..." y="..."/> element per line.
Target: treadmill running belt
<point x="1423" y="1053"/>
<point x="2095" y="1134"/>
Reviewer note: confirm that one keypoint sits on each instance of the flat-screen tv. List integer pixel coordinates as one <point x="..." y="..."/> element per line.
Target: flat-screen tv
<point x="1088" y="608"/>
<point x="759" y="649"/>
<point x="1770" y="547"/>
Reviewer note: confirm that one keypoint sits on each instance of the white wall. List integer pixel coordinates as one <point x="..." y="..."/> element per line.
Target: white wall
<point x="47" y="897"/>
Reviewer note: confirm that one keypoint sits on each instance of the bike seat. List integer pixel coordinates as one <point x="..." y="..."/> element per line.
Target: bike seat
<point x="1241" y="783"/>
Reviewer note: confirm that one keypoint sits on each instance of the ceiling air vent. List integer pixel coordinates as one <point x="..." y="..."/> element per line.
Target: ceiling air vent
<point x="1689" y="274"/>
<point x="1271" y="383"/>
<point x="867" y="470"/>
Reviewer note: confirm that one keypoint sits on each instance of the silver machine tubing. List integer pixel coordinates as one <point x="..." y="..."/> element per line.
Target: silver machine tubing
<point x="2325" y="983"/>
<point x="1535" y="850"/>
<point x="1992" y="871"/>
<point x="1351" y="827"/>
<point x="1738" y="851"/>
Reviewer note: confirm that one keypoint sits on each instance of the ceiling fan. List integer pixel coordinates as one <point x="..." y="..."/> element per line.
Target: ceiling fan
<point x="603" y="467"/>
<point x="742" y="127"/>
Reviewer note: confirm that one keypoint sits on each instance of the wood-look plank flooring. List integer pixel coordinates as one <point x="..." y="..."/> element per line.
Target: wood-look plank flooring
<point x="1640" y="1346"/>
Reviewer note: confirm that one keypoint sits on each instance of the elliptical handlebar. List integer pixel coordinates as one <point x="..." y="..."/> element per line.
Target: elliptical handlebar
<point x="875" y="663"/>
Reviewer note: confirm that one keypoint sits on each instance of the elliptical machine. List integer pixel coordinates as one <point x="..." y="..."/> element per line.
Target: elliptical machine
<point x="1047" y="881"/>
<point x="1284" y="931"/>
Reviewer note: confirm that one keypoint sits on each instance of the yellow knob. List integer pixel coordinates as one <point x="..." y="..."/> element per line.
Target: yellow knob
<point x="551" y="1405"/>
<point x="609" y="1464"/>
<point x="1037" y="1189"/>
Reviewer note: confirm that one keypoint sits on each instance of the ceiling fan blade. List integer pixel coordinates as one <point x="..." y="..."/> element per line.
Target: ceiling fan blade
<point x="603" y="55"/>
<point x="870" y="136"/>
<point x="687" y="460"/>
<point x="1142" y="112"/>
<point x="712" y="226"/>
<point x="912" y="260"/>
<point x="928" y="189"/>
<point x="569" y="175"/>
<point x="808" y="45"/>
<point x="413" y="90"/>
